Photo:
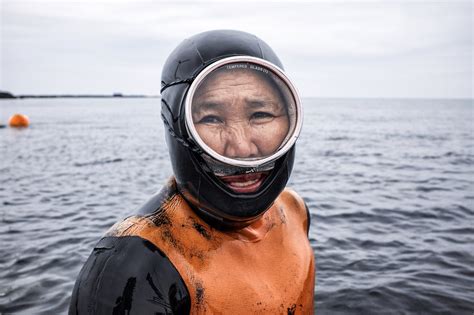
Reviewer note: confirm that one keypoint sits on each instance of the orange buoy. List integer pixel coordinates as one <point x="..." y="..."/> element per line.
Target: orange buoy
<point x="19" y="121"/>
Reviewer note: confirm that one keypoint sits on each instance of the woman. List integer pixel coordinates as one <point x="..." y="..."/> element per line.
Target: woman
<point x="224" y="235"/>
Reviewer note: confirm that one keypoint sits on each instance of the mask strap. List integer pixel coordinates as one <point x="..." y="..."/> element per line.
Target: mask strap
<point x="186" y="142"/>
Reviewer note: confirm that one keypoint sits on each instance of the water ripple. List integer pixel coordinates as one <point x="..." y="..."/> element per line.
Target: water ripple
<point x="391" y="198"/>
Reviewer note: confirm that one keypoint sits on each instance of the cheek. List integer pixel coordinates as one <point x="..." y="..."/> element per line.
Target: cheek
<point x="268" y="137"/>
<point x="211" y="137"/>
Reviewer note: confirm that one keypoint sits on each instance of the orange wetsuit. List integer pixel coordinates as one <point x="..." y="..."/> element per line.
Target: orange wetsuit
<point x="167" y="259"/>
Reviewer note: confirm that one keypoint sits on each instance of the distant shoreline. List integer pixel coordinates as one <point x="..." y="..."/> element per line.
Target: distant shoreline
<point x="78" y="96"/>
<point x="10" y="96"/>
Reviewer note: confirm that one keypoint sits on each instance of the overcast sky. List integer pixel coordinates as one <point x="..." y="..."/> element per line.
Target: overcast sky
<point x="351" y="48"/>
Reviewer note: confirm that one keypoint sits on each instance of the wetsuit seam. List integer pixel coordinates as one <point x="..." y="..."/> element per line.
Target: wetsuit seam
<point x="99" y="282"/>
<point x="199" y="54"/>
<point x="167" y="259"/>
<point x="259" y="47"/>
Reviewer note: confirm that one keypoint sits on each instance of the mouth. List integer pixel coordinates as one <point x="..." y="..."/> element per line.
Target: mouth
<point x="244" y="184"/>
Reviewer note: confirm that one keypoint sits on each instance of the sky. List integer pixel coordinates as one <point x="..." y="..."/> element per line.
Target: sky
<point x="372" y="48"/>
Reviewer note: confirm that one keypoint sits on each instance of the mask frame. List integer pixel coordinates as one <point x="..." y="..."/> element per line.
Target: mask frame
<point x="239" y="162"/>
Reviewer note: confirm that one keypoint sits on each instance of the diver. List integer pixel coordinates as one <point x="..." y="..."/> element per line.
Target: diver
<point x="224" y="235"/>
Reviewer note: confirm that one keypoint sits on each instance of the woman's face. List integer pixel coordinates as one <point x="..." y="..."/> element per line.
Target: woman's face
<point x="240" y="115"/>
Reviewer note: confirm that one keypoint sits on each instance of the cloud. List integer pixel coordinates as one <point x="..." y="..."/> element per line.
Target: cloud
<point x="104" y="46"/>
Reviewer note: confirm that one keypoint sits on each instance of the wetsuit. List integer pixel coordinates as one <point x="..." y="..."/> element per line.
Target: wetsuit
<point x="167" y="260"/>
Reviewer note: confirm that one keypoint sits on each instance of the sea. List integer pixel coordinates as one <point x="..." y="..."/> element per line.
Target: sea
<point x="389" y="184"/>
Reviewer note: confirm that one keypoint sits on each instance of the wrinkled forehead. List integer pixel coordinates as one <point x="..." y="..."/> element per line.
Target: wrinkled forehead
<point x="250" y="81"/>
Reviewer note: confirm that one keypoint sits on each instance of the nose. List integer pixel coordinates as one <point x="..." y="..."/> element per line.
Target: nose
<point x="239" y="144"/>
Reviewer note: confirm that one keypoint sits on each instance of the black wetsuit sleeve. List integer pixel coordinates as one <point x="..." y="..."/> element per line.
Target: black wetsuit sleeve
<point x="129" y="275"/>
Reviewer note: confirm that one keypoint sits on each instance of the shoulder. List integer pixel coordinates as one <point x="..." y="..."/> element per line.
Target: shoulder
<point x="128" y="275"/>
<point x="152" y="215"/>
<point x="296" y="204"/>
<point x="160" y="199"/>
<point x="292" y="197"/>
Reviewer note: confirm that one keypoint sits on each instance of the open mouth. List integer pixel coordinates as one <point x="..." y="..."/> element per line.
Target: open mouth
<point x="246" y="183"/>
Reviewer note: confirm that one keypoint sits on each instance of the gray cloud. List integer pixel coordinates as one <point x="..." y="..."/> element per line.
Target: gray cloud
<point x="341" y="49"/>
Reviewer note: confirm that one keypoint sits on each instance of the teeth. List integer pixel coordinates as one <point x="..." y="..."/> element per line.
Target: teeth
<point x="244" y="184"/>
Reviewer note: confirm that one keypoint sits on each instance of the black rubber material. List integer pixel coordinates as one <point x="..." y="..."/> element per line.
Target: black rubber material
<point x="212" y="199"/>
<point x="129" y="275"/>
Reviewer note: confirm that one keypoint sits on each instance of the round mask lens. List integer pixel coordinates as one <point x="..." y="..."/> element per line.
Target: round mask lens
<point x="243" y="112"/>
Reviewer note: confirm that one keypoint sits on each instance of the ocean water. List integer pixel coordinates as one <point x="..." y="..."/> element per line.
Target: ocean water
<point x="389" y="183"/>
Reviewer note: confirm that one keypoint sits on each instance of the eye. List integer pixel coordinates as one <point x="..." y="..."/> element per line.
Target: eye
<point x="262" y="116"/>
<point x="210" y="119"/>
